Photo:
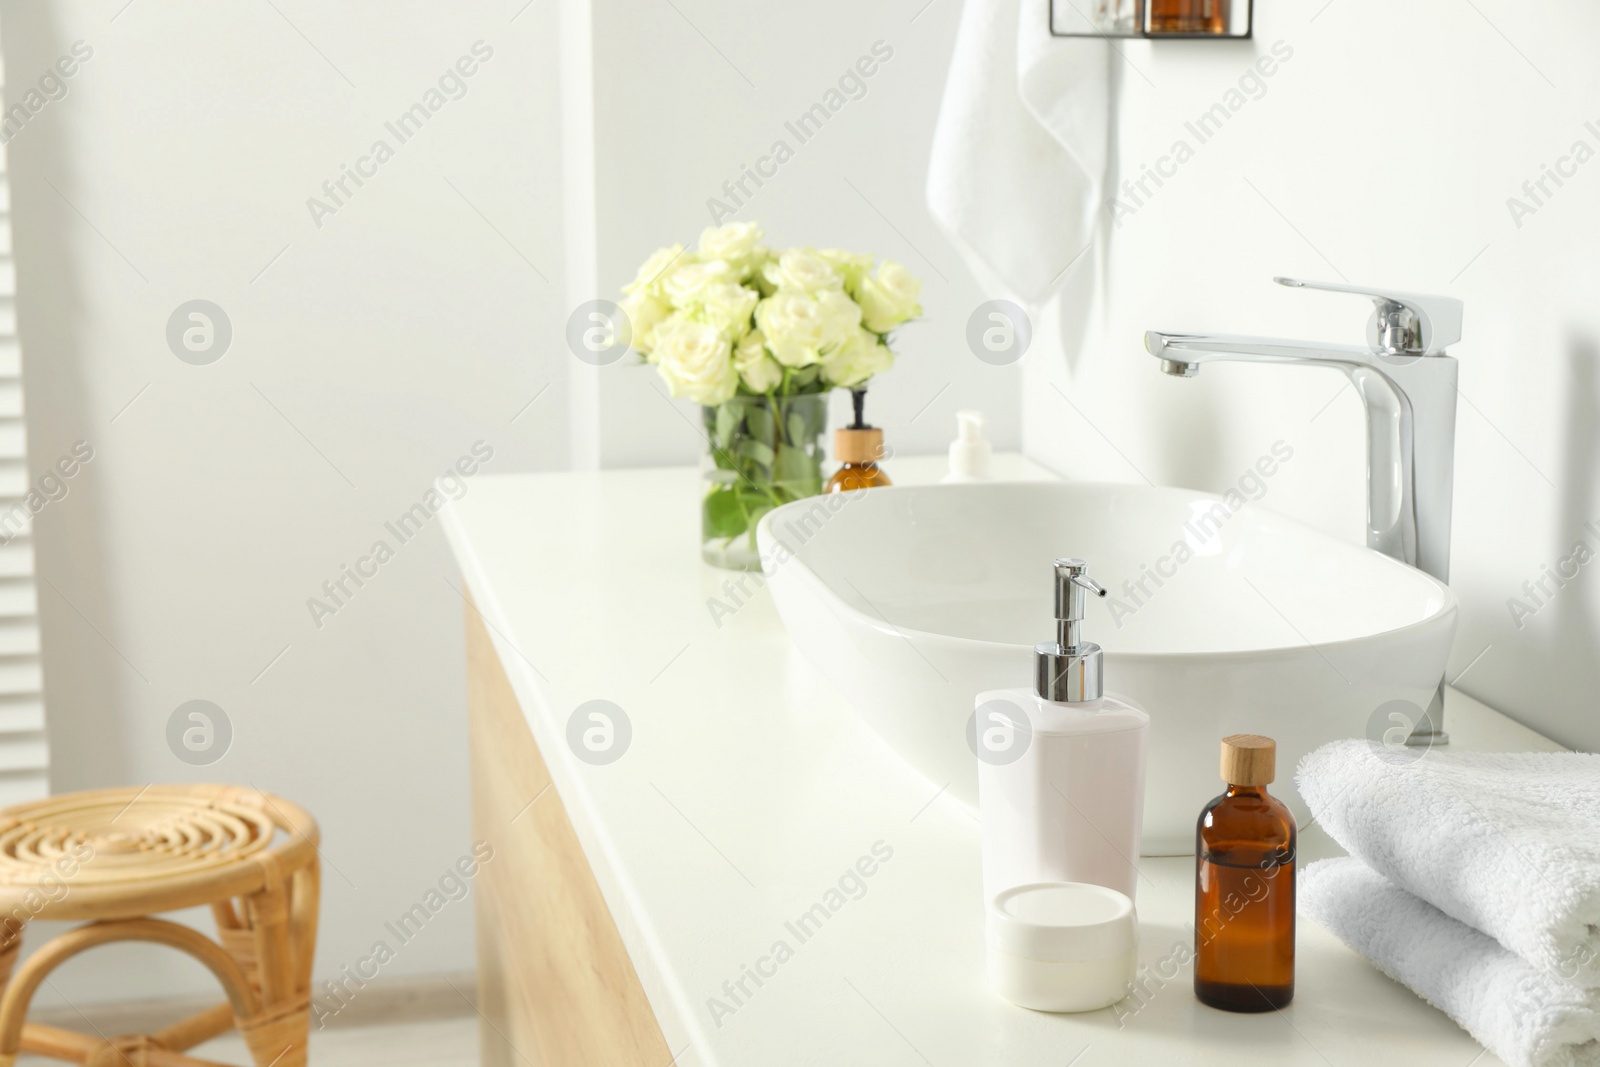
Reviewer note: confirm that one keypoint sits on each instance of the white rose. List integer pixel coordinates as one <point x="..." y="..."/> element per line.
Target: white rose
<point x="727" y="306"/>
<point x="853" y="266"/>
<point x="760" y="259"/>
<point x="761" y="373"/>
<point x="889" y="297"/>
<point x="793" y="326"/>
<point x="652" y="269"/>
<point x="695" y="360"/>
<point x="801" y="327"/>
<point x="804" y="271"/>
<point x="684" y="283"/>
<point x="841" y="318"/>
<point x="736" y="244"/>
<point x="855" y="362"/>
<point x="645" y="311"/>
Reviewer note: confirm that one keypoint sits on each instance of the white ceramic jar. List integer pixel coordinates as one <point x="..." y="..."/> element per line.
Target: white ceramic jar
<point x="1061" y="946"/>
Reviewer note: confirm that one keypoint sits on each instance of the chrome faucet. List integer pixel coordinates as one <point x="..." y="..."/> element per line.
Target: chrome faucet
<point x="1408" y="386"/>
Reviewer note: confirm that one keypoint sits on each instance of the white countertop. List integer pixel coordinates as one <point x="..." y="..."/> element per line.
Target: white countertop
<point x="749" y="789"/>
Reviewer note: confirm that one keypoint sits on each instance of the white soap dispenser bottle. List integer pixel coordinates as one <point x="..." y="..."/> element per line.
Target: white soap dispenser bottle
<point x="969" y="452"/>
<point x="1061" y="765"/>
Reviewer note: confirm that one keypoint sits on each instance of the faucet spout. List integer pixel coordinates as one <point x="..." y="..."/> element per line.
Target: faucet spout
<point x="1410" y="408"/>
<point x="1194" y="348"/>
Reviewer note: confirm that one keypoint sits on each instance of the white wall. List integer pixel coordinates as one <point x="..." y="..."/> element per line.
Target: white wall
<point x="365" y="360"/>
<point x="1383" y="151"/>
<point x="675" y="119"/>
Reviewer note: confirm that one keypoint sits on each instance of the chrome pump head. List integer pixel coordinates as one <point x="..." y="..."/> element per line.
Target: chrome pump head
<point x="1071" y="669"/>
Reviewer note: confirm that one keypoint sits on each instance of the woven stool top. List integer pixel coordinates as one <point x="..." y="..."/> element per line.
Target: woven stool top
<point x="195" y="843"/>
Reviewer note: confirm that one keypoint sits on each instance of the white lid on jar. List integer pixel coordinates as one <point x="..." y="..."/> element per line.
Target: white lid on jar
<point x="1062" y="921"/>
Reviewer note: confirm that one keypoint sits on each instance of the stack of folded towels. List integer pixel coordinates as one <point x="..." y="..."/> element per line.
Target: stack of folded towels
<point x="1474" y="879"/>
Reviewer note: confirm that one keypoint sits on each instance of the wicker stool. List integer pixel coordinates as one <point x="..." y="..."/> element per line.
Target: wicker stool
<point x="114" y="857"/>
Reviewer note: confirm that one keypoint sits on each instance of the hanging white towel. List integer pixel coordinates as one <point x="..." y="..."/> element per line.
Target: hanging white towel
<point x="1508" y="843"/>
<point x="1019" y="152"/>
<point x="1525" y="1016"/>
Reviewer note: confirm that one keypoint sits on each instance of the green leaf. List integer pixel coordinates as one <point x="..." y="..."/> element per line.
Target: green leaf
<point x="797" y="472"/>
<point x="759" y="422"/>
<point x="755" y="517"/>
<point x="797" y="428"/>
<point x="724" y="513"/>
<point x="754" y="493"/>
<point x="755" y="450"/>
<point x="727" y="423"/>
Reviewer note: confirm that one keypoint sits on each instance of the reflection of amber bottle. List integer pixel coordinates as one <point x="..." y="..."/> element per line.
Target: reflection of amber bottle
<point x="1188" y="16"/>
<point x="1244" y="886"/>
<point x="859" y="447"/>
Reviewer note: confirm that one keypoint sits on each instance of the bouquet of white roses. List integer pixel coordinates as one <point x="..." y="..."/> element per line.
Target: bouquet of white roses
<point x="735" y="317"/>
<point x="757" y="338"/>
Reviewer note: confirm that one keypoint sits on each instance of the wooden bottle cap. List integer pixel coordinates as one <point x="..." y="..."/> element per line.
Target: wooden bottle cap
<point x="1249" y="759"/>
<point x="858" y="446"/>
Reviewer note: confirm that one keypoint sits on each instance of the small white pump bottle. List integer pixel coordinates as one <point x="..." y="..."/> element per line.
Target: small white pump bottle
<point x="1061" y="765"/>
<point x="969" y="452"/>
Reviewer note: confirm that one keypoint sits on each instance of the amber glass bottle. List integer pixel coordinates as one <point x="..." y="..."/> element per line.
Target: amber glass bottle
<point x="1244" y="886"/>
<point x="1188" y="16"/>
<point x="859" y="449"/>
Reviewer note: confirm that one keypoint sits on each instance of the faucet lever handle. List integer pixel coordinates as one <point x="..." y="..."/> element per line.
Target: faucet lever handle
<point x="1408" y="323"/>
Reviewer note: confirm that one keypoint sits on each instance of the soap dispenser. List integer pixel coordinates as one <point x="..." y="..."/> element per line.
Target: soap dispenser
<point x="1061" y="765"/>
<point x="969" y="452"/>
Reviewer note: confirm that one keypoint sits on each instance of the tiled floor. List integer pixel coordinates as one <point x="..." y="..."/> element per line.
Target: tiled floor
<point x="442" y="1043"/>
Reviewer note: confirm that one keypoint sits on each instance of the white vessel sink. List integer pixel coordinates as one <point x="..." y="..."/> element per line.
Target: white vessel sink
<point x="911" y="600"/>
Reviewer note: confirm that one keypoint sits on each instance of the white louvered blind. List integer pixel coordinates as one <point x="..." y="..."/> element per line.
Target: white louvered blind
<point x="24" y="752"/>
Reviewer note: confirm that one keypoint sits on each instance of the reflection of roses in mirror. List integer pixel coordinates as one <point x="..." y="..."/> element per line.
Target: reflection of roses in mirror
<point x="732" y="317"/>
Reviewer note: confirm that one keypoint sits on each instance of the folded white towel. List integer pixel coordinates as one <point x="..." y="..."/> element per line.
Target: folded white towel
<point x="1525" y="1016"/>
<point x="1509" y="843"/>
<point x="1019" y="151"/>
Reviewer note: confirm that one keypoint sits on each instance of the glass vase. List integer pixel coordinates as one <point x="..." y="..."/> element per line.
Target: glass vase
<point x="761" y="452"/>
